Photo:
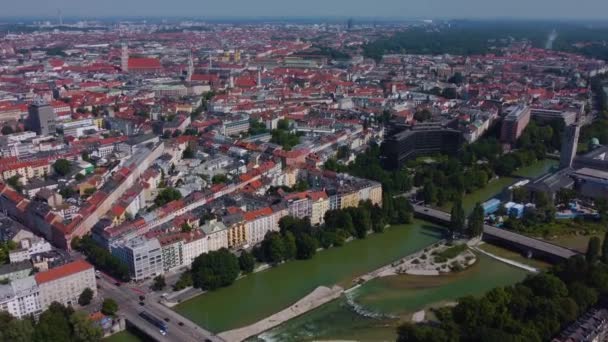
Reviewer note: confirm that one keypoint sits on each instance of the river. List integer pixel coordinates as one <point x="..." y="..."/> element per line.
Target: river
<point x="382" y="304"/>
<point x="262" y="294"/>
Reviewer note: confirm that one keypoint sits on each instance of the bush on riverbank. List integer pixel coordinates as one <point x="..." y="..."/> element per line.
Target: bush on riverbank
<point x="215" y="269"/>
<point x="533" y="310"/>
<point x="452" y="252"/>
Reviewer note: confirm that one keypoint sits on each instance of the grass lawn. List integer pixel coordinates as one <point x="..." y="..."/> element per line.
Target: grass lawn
<point x="567" y="233"/>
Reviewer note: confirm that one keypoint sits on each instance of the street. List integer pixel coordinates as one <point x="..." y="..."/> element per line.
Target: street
<point x="128" y="301"/>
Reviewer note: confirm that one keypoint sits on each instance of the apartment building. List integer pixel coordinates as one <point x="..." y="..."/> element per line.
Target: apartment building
<point x="195" y="243"/>
<point x="143" y="256"/>
<point x="217" y="235"/>
<point x="28" y="247"/>
<point x="319" y="204"/>
<point x="514" y="124"/>
<point x="21" y="298"/>
<point x="237" y="230"/>
<point x="65" y="283"/>
<point x="26" y="170"/>
<point x="172" y="249"/>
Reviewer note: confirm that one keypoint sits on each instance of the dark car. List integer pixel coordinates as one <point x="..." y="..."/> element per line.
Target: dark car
<point x="181" y="324"/>
<point x="117" y="283"/>
<point x="167" y="319"/>
<point x="142" y="297"/>
<point x="142" y="303"/>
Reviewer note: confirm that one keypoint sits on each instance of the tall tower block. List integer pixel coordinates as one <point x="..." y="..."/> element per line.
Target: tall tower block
<point x="124" y="58"/>
<point x="569" y="145"/>
<point x="259" y="81"/>
<point x="190" y="68"/>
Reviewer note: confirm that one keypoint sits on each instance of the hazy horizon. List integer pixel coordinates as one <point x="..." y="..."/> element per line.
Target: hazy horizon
<point x="242" y="9"/>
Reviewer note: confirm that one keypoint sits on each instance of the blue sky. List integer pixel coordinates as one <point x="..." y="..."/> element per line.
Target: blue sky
<point x="524" y="9"/>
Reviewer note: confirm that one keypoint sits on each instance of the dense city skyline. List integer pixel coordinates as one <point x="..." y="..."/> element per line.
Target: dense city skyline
<point x="543" y="9"/>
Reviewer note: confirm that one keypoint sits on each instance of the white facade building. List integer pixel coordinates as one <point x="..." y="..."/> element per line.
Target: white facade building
<point x="29" y="247"/>
<point x="65" y="283"/>
<point x="143" y="257"/>
<point x="195" y="244"/>
<point x="21" y="298"/>
<point x="217" y="235"/>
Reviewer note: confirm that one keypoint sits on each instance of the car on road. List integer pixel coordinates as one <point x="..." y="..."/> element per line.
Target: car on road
<point x="117" y="283"/>
<point x="163" y="332"/>
<point x="181" y="324"/>
<point x="142" y="297"/>
<point x="167" y="319"/>
<point x="142" y="303"/>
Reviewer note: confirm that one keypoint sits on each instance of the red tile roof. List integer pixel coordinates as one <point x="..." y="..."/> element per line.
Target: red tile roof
<point x="144" y="63"/>
<point x="62" y="271"/>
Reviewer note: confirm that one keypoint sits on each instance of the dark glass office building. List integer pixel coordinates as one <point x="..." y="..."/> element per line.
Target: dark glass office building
<point x="402" y="145"/>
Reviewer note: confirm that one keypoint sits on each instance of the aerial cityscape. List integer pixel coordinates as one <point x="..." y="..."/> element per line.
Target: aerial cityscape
<point x="281" y="173"/>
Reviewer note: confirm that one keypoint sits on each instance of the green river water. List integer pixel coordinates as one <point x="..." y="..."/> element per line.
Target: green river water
<point x="264" y="293"/>
<point x="373" y="311"/>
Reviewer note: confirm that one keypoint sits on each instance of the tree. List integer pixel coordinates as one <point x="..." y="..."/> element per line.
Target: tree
<point x="290" y="248"/>
<point x="423" y="115"/>
<point x="219" y="178"/>
<point x="449" y="93"/>
<point x="53" y="324"/>
<point x="602" y="209"/>
<point x="475" y="223"/>
<point x="273" y="248"/>
<point x="246" y="262"/>
<point x="306" y="246"/>
<point x="593" y="249"/>
<point x="85" y="297"/>
<point x="409" y="332"/>
<point x="102" y="259"/>
<point x="457" y="218"/>
<point x="18" y="330"/>
<point x="6" y="130"/>
<point x="215" y="269"/>
<point x="185" y="280"/>
<point x="159" y="283"/>
<point x="565" y="196"/>
<point x="84" y="330"/>
<point x="15" y="182"/>
<point x="583" y="295"/>
<point x="605" y="249"/>
<point x="188" y="153"/>
<point x="167" y="195"/>
<point x="429" y="193"/>
<point x="186" y="228"/>
<point x="520" y="194"/>
<point x="109" y="306"/>
<point x="62" y="167"/>
<point x="457" y="78"/>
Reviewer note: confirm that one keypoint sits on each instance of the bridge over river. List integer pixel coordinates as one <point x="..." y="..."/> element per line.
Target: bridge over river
<point x="527" y="245"/>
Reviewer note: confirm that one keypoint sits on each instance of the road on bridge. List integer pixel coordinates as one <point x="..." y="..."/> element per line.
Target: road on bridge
<point x="503" y="234"/>
<point x="129" y="306"/>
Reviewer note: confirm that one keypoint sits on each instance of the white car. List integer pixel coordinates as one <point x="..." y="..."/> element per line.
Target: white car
<point x="163" y="332"/>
